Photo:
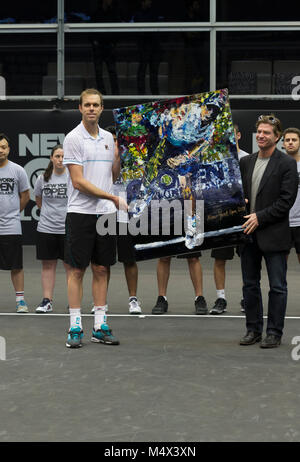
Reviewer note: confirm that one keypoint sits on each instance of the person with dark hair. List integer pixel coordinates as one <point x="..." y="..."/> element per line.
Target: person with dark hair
<point x="93" y="165"/>
<point x="51" y="197"/>
<point x="125" y="247"/>
<point x="104" y="45"/>
<point x="291" y="144"/>
<point x="270" y="182"/>
<point x="14" y="196"/>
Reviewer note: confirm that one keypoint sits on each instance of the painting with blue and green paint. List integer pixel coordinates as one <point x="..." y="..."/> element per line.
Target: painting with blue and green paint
<point x="183" y="148"/>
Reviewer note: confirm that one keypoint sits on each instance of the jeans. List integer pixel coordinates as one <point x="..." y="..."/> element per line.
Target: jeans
<point x="276" y="264"/>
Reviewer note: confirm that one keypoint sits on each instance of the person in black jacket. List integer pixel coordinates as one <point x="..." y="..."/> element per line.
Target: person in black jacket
<point x="270" y="183"/>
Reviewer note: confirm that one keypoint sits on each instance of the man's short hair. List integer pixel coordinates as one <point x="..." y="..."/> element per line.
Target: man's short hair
<point x="291" y="130"/>
<point x="4" y="137"/>
<point x="90" y="91"/>
<point x="271" y="120"/>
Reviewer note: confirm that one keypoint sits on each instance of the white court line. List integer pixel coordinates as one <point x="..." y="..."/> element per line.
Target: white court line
<point x="143" y="316"/>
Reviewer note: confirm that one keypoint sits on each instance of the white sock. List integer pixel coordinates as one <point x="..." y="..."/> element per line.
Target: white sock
<point x="19" y="296"/>
<point x="221" y="293"/>
<point x="99" y="316"/>
<point x="75" y="317"/>
<point x="133" y="297"/>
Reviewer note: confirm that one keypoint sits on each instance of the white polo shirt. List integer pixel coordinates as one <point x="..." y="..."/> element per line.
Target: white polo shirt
<point x="96" y="156"/>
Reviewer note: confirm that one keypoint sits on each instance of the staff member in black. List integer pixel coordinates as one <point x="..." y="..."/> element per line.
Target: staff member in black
<point x="270" y="182"/>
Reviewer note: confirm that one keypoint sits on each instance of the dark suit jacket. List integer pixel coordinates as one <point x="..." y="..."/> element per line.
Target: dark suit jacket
<point x="275" y="196"/>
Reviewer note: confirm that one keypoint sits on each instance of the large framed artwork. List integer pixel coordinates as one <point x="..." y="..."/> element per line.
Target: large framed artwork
<point x="181" y="174"/>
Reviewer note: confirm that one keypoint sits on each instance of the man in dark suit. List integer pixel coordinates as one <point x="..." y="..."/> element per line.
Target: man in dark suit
<point x="270" y="183"/>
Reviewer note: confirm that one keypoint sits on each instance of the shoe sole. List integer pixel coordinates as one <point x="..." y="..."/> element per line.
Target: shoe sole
<point x="41" y="311"/>
<point x="73" y="346"/>
<point x="217" y="312"/>
<point x="96" y="340"/>
<point x="201" y="314"/>
<point x="135" y="312"/>
<point x="22" y="311"/>
<point x="251" y="343"/>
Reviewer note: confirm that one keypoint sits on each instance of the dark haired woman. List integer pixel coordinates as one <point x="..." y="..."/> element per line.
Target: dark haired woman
<point x="51" y="198"/>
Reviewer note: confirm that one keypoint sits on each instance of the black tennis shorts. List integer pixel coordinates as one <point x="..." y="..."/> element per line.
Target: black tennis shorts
<point x="49" y="246"/>
<point x="83" y="245"/>
<point x="11" y="252"/>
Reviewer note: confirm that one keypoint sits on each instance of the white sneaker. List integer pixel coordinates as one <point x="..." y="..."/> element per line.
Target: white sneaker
<point x="45" y="306"/>
<point x="134" y="306"/>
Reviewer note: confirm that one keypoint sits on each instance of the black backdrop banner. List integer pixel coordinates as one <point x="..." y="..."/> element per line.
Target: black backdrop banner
<point x="33" y="133"/>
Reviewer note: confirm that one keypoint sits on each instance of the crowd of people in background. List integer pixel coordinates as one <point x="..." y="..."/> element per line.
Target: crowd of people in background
<point x="81" y="184"/>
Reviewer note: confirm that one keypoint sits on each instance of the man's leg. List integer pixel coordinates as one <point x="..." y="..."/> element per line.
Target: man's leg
<point x="131" y="274"/>
<point x="251" y="271"/>
<point x="126" y="255"/>
<point x="277" y="268"/>
<point x="219" y="274"/>
<point x="220" y="255"/>
<point x="75" y="291"/>
<point x="75" y="287"/>
<point x="195" y="270"/>
<point x="162" y="274"/>
<point x="104" y="256"/>
<point x="17" y="278"/>
<point x="101" y="332"/>
<point x="219" y="277"/>
<point x="99" y="284"/>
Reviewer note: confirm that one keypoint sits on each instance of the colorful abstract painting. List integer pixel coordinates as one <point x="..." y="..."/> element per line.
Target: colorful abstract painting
<point x="182" y="149"/>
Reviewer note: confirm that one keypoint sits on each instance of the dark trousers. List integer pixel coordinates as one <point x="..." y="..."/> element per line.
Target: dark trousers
<point x="276" y="264"/>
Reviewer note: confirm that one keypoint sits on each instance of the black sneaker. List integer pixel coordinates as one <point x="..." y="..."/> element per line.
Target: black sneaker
<point x="161" y="306"/>
<point x="219" y="306"/>
<point x="200" y="305"/>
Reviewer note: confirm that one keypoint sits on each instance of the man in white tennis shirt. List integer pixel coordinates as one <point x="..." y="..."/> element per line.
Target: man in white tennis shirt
<point x="93" y="165"/>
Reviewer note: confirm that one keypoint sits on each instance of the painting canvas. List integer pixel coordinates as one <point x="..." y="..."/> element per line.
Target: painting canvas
<point x="182" y="151"/>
